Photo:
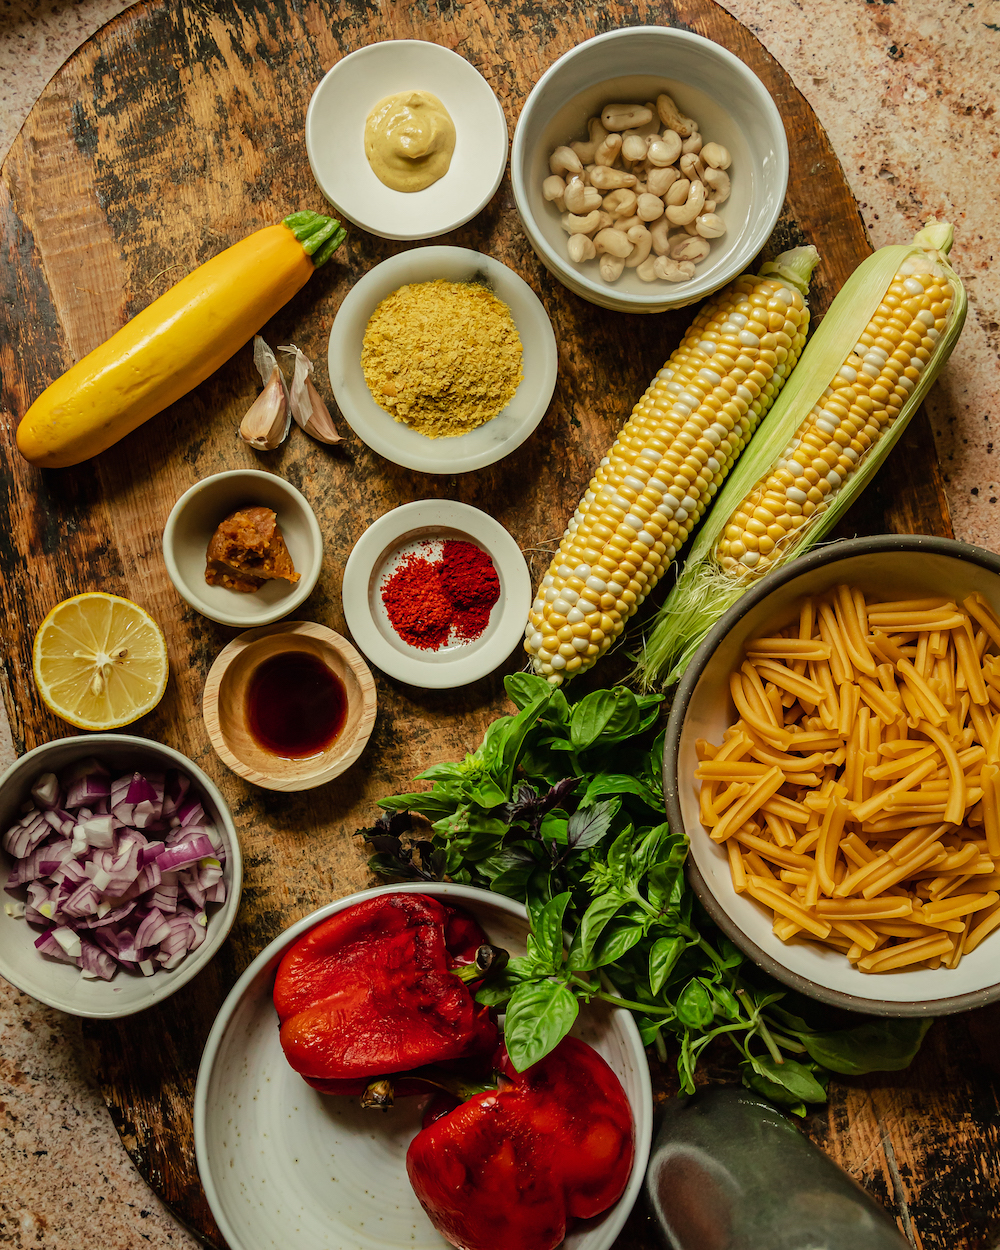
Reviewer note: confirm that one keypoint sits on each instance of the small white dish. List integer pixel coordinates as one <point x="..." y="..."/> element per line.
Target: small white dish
<point x="377" y="554"/>
<point x="283" y="1165"/>
<point x="335" y="139"/>
<point x="398" y="442"/>
<point x="60" y="985"/>
<point x="194" y="519"/>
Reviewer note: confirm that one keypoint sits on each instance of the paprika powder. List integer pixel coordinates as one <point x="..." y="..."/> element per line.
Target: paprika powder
<point x="450" y="599"/>
<point x="512" y="1168"/>
<point x="378" y="989"/>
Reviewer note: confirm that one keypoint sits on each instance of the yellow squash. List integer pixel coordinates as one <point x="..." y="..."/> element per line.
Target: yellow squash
<point x="176" y="343"/>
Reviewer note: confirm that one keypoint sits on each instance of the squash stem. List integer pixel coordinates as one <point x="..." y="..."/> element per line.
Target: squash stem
<point x="320" y="236"/>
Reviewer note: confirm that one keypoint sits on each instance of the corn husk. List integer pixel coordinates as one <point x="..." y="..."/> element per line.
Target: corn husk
<point x="704" y="590"/>
<point x="308" y="408"/>
<point x="268" y="420"/>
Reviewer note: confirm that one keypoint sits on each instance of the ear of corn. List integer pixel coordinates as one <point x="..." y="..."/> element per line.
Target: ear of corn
<point x="863" y="375"/>
<point x="667" y="463"/>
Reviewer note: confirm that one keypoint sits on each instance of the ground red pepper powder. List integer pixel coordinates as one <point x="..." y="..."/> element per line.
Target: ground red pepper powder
<point x="428" y="603"/>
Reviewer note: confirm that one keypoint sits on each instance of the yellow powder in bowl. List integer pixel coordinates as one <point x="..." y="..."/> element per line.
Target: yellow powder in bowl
<point x="442" y="357"/>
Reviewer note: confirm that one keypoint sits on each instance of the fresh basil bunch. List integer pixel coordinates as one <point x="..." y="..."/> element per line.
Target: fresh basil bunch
<point x="561" y="807"/>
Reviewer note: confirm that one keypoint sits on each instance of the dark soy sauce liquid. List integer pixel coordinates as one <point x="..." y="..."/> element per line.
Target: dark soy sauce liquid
<point x="295" y="706"/>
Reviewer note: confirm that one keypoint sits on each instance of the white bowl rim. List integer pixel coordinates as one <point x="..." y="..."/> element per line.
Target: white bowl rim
<point x="643" y="1114"/>
<point x="307" y="580"/>
<point x="817" y="558"/>
<point x="479" y="527"/>
<point x="425" y="459"/>
<point x="688" y="292"/>
<point x="187" y="968"/>
<point x="450" y="223"/>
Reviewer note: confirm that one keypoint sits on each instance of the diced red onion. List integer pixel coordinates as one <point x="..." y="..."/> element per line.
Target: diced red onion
<point x="46" y="791"/>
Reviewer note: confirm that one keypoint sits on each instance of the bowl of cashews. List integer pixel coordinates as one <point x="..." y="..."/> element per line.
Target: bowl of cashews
<point x="649" y="167"/>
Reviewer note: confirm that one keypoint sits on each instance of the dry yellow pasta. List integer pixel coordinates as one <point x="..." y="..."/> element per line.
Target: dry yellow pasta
<point x="858" y="794"/>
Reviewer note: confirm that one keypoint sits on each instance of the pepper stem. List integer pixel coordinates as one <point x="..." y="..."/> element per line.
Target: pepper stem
<point x="379" y="1093"/>
<point x="320" y="236"/>
<point x="489" y="961"/>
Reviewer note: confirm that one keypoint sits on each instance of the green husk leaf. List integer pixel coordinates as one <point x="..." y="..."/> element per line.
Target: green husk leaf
<point x="704" y="591"/>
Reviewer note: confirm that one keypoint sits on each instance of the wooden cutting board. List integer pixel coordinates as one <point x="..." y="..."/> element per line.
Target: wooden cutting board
<point x="174" y="132"/>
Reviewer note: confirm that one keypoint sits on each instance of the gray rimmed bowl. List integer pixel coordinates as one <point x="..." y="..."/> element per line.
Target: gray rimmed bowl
<point x="60" y="985"/>
<point x="888" y="566"/>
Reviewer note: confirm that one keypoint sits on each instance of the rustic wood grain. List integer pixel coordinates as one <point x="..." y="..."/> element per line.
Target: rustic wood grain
<point x="170" y="135"/>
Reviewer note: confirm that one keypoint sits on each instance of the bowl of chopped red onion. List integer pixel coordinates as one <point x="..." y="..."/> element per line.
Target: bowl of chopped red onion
<point x="122" y="873"/>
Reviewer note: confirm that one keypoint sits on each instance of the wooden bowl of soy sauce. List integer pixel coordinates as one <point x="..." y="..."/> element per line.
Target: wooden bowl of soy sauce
<point x="289" y="706"/>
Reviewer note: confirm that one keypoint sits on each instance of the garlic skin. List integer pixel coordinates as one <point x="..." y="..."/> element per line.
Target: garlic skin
<point x="308" y="408"/>
<point x="268" y="421"/>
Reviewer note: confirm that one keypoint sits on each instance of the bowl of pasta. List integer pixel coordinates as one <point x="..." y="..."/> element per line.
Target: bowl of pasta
<point x="833" y="754"/>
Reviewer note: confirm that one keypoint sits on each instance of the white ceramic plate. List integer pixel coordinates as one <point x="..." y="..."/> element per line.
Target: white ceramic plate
<point x="399" y="443"/>
<point x="335" y="130"/>
<point x="193" y="521"/>
<point x="60" y="985"/>
<point x="286" y="1167"/>
<point x="375" y="557"/>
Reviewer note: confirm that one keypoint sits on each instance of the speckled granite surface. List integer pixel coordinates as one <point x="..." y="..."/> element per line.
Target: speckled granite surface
<point x="908" y="93"/>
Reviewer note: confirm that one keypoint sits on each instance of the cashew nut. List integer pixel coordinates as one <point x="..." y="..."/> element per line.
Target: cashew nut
<point x="659" y="181"/>
<point x="640" y="187"/>
<point x="565" y="161"/>
<point x="626" y="223"/>
<point x="672" y="117"/>
<point x="693" y="248"/>
<point x="620" y="203"/>
<point x="710" y="226"/>
<point x="718" y="185"/>
<point x="709" y="204"/>
<point x="634" y="146"/>
<point x="692" y="143"/>
<point x="573" y="224"/>
<point x="581" y="199"/>
<point x="691" y="166"/>
<point x="580" y="248"/>
<point x="678" y="193"/>
<point x="716" y="155"/>
<point x="611" y="267"/>
<point x="606" y="179"/>
<point x="646" y="271"/>
<point x="553" y="188"/>
<point x="624" y="116"/>
<point x="649" y="207"/>
<point x="641" y="241"/>
<point x="613" y="241"/>
<point x="664" y="150"/>
<point x="672" y="270"/>
<point x="689" y="228"/>
<point x="660" y="232"/>
<point x="681" y="214"/>
<point x="585" y="151"/>
<point x="606" y="152"/>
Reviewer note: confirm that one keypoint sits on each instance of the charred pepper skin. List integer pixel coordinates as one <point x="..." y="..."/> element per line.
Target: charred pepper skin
<point x="511" y="1169"/>
<point x="370" y="992"/>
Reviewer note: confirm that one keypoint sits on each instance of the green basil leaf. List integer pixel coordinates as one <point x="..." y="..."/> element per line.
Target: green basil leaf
<point x="726" y="1002"/>
<point x="513" y="741"/>
<point x="539" y="1015"/>
<point x="611" y="715"/>
<point x="694" y="1005"/>
<point x="587" y="826"/>
<point x="513" y="882"/>
<point x="616" y="941"/>
<point x="595" y="918"/>
<point x="619" y="861"/>
<point x="546" y="928"/>
<point x="620" y="783"/>
<point x="883" y="1045"/>
<point x="794" y="1078"/>
<point x="523" y="688"/>
<point x="554" y="827"/>
<point x="655" y="845"/>
<point x="441" y="772"/>
<point x="665" y="885"/>
<point x="663" y="957"/>
<point x="558" y="712"/>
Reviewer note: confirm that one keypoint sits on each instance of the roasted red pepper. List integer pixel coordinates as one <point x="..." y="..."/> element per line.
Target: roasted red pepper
<point x="374" y="991"/>
<point x="512" y="1167"/>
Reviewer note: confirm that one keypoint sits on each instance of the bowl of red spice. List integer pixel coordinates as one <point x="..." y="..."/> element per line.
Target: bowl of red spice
<point x="436" y="593"/>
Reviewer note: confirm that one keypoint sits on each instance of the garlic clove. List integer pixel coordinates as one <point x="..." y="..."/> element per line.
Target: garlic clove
<point x="308" y="408"/>
<point x="266" y="424"/>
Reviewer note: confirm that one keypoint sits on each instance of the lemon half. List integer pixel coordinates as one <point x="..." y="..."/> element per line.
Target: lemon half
<point x="100" y="661"/>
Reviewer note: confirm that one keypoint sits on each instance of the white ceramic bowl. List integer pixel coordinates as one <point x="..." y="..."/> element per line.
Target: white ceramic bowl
<point x="708" y="83"/>
<point x="285" y="1166"/>
<point x="193" y="521"/>
<point x="60" y="985"/>
<point x="335" y="131"/>
<point x="373" y="560"/>
<point x="892" y="566"/>
<point x="401" y="444"/>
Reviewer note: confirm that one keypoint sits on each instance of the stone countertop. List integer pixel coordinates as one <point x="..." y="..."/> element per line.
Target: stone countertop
<point x="908" y="94"/>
